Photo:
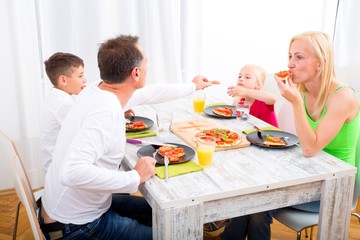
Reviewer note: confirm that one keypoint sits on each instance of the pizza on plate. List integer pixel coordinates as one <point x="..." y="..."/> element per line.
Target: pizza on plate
<point x="283" y="75"/>
<point x="174" y="154"/>
<point x="224" y="137"/>
<point x="223" y="111"/>
<point x="274" y="141"/>
<point x="136" y="125"/>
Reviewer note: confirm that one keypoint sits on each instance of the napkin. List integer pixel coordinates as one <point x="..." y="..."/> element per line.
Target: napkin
<point x="140" y="134"/>
<point x="262" y="128"/>
<point x="178" y="169"/>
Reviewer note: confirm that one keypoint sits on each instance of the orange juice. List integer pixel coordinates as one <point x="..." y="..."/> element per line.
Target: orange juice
<point x="205" y="155"/>
<point x="198" y="105"/>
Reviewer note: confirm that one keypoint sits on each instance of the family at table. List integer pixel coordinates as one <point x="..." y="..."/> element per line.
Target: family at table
<point x="83" y="140"/>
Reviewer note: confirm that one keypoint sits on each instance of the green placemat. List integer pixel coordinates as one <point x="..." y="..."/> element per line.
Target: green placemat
<point x="178" y="169"/>
<point x="215" y="104"/>
<point x="141" y="134"/>
<point x="262" y="128"/>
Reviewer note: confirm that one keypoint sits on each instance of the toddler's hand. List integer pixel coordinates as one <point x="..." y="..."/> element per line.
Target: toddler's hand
<point x="236" y="91"/>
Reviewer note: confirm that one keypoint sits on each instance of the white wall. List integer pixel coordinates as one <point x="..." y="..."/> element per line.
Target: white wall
<point x="238" y="32"/>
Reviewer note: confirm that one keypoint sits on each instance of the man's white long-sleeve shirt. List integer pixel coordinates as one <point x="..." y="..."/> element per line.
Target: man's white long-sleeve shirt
<point x="90" y="147"/>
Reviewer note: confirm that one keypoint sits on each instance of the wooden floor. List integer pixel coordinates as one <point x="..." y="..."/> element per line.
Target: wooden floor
<point x="8" y="201"/>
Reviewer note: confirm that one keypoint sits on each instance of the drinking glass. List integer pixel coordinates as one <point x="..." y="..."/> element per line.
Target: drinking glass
<point x="199" y="101"/>
<point x="205" y="148"/>
<point x="242" y="110"/>
<point x="164" y="120"/>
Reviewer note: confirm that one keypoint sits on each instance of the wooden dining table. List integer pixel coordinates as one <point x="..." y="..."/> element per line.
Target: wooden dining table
<point x="242" y="181"/>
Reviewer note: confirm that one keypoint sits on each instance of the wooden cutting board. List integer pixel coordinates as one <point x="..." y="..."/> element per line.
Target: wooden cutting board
<point x="186" y="131"/>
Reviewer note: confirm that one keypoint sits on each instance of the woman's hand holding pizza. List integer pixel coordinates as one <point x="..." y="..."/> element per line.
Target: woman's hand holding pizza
<point x="289" y="91"/>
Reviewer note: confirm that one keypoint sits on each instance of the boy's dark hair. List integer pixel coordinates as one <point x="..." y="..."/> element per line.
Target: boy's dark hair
<point x="61" y="64"/>
<point x="117" y="57"/>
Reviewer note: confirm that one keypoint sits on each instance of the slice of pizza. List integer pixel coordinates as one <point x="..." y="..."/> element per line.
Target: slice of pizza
<point x="274" y="141"/>
<point x="223" y="111"/>
<point x="215" y="82"/>
<point x="136" y="125"/>
<point x="283" y="75"/>
<point x="174" y="154"/>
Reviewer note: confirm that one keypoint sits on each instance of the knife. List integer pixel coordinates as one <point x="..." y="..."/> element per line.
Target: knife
<point x="259" y="131"/>
<point x="154" y="144"/>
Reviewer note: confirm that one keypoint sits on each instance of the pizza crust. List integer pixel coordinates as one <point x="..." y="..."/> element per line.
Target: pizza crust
<point x="235" y="144"/>
<point x="269" y="143"/>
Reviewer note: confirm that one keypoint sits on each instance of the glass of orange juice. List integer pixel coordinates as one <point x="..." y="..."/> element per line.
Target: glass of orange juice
<point x="205" y="148"/>
<point x="199" y="101"/>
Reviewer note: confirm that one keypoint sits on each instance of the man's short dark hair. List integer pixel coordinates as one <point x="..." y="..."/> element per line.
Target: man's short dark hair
<point x="117" y="57"/>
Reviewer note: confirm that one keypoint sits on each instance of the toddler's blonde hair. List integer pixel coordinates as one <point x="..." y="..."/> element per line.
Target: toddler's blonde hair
<point x="259" y="72"/>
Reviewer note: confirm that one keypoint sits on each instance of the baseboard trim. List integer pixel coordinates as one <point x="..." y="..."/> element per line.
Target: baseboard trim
<point x="8" y="191"/>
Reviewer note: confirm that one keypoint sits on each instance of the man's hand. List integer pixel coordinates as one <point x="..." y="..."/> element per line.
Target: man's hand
<point x="130" y="113"/>
<point x="202" y="82"/>
<point x="145" y="166"/>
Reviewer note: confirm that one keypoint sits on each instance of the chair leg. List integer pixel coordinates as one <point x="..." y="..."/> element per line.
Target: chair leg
<point x="356" y="215"/>
<point x="17" y="212"/>
<point x="306" y="233"/>
<point x="311" y="232"/>
<point x="298" y="235"/>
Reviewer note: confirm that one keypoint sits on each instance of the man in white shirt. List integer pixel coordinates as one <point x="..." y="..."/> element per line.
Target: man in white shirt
<point x="77" y="201"/>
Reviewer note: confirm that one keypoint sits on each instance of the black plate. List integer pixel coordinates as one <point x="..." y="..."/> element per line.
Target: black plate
<point x="149" y="151"/>
<point x="147" y="121"/>
<point x="254" y="138"/>
<point x="209" y="111"/>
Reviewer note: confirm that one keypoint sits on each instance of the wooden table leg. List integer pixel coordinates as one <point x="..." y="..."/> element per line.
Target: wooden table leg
<point x="335" y="208"/>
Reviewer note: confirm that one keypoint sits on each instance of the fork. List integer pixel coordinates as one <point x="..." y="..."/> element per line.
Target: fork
<point x="166" y="161"/>
<point x="287" y="139"/>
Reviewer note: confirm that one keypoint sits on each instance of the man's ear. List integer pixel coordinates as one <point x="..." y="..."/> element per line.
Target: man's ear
<point x="135" y="73"/>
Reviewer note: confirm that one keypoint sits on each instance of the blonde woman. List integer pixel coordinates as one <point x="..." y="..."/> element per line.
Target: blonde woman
<point x="326" y="111"/>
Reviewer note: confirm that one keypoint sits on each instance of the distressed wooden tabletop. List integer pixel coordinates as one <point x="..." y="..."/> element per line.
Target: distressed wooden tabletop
<point x="242" y="181"/>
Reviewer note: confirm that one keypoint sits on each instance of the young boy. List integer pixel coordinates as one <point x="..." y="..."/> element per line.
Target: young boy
<point x="66" y="73"/>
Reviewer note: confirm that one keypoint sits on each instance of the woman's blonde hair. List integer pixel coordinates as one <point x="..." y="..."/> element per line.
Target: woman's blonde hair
<point x="259" y="72"/>
<point x="323" y="49"/>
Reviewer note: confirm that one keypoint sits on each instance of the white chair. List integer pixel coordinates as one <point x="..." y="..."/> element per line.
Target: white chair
<point x="299" y="220"/>
<point x="26" y="197"/>
<point x="9" y="151"/>
<point x="285" y="117"/>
